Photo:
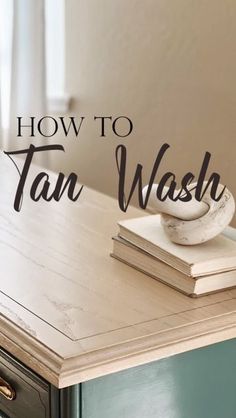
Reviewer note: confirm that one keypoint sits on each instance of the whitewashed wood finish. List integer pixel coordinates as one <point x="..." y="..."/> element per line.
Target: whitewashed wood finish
<point x="71" y="312"/>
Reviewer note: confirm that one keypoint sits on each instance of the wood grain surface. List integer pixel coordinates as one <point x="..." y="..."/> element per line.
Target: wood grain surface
<point x="71" y="312"/>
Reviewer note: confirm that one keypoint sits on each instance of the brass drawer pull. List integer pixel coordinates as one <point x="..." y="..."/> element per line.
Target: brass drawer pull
<point x="6" y="390"/>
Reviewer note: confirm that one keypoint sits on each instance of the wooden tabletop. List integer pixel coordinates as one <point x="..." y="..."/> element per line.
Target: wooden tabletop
<point x="70" y="311"/>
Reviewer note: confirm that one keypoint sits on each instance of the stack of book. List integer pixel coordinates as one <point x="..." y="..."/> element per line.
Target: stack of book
<point x="194" y="270"/>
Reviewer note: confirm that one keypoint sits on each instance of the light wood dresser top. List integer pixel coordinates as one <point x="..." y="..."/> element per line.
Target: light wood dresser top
<point x="71" y="312"/>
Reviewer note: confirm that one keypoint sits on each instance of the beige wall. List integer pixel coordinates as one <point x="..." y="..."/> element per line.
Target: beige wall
<point x="168" y="64"/>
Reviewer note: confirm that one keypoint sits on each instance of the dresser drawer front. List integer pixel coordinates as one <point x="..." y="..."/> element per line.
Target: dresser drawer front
<point x="32" y="399"/>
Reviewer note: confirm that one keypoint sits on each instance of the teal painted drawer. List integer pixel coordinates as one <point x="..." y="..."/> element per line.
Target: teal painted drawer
<point x="197" y="384"/>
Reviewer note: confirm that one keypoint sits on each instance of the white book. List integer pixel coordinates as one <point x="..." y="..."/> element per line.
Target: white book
<point x="192" y="286"/>
<point x="146" y="233"/>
